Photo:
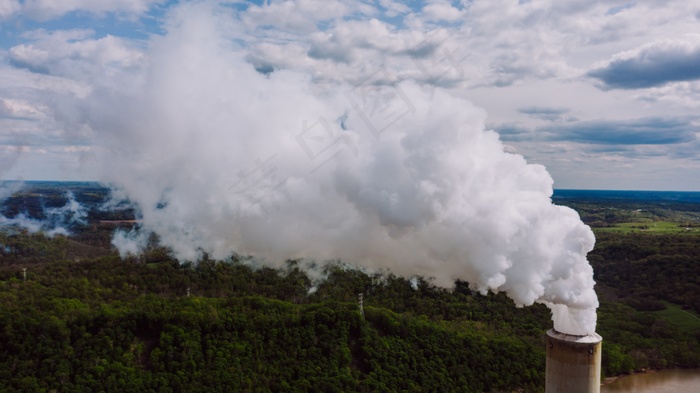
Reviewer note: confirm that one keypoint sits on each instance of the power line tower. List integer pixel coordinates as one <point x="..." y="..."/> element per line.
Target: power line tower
<point x="362" y="308"/>
<point x="188" y="291"/>
<point x="24" y="273"/>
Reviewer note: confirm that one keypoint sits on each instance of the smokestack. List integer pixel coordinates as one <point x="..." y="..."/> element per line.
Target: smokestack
<point x="573" y="363"/>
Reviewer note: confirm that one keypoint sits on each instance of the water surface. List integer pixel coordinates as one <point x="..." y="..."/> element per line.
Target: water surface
<point x="667" y="381"/>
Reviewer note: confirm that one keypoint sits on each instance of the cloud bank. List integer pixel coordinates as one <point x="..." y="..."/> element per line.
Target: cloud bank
<point x="643" y="131"/>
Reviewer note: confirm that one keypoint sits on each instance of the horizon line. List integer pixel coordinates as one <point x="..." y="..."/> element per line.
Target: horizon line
<point x="555" y="188"/>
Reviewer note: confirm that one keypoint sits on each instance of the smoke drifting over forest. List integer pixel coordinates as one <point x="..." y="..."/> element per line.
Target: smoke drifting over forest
<point x="223" y="159"/>
<point x="56" y="220"/>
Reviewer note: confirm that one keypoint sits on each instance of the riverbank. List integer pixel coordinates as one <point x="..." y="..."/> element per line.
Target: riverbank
<point x="609" y="380"/>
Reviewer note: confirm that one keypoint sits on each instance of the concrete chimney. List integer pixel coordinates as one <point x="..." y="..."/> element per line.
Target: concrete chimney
<point x="573" y="363"/>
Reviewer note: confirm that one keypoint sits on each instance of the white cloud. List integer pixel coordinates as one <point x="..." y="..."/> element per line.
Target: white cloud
<point x="393" y="8"/>
<point x="20" y="109"/>
<point x="8" y="8"/>
<point x="677" y="95"/>
<point x="50" y="9"/>
<point x="442" y="10"/>
<point x="29" y="55"/>
<point x="74" y="53"/>
<point x="29" y="86"/>
<point x="296" y="16"/>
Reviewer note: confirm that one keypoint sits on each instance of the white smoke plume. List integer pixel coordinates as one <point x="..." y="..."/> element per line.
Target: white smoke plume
<point x="57" y="221"/>
<point x="221" y="159"/>
<point x="60" y="219"/>
<point x="128" y="243"/>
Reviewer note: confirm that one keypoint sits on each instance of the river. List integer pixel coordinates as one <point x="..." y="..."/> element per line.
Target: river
<point x="666" y="381"/>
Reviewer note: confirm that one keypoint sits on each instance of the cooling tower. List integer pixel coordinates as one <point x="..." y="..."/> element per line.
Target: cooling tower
<point x="573" y="363"/>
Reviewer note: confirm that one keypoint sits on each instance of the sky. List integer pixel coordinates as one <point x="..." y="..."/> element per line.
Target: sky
<point x="604" y="94"/>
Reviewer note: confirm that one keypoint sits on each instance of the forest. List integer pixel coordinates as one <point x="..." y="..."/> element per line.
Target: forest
<point x="80" y="319"/>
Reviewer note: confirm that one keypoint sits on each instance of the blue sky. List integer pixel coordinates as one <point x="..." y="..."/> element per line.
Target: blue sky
<point x="604" y="94"/>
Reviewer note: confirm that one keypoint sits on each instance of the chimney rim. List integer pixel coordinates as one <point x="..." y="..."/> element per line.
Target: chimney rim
<point x="592" y="338"/>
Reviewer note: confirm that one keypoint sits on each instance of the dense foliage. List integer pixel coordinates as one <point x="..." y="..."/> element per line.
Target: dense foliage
<point x="130" y="326"/>
<point x="84" y="320"/>
<point x="646" y="268"/>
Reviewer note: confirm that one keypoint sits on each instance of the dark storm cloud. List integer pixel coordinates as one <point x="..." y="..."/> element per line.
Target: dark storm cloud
<point x="645" y="131"/>
<point x="652" y="66"/>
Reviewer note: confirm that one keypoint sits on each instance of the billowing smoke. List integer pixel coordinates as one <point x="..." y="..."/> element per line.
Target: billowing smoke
<point x="56" y="220"/>
<point x="221" y="159"/>
<point x="131" y="242"/>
